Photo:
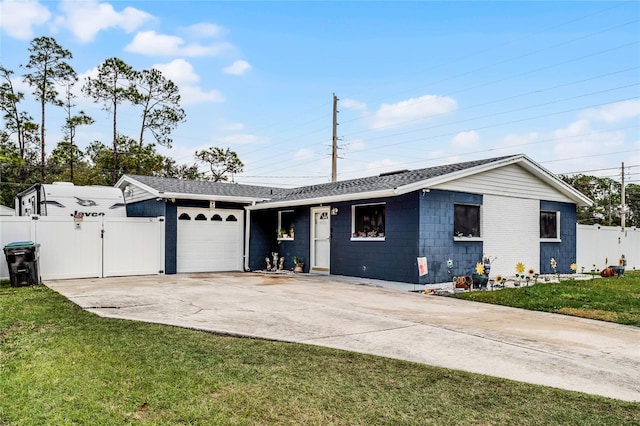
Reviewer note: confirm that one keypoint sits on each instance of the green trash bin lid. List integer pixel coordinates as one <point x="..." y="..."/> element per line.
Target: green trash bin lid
<point x="16" y="245"/>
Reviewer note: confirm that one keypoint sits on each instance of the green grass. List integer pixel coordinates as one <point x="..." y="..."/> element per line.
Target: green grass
<point x="60" y="365"/>
<point x="607" y="299"/>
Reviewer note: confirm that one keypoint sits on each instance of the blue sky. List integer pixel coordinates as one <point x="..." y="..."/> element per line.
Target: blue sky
<point x="420" y="83"/>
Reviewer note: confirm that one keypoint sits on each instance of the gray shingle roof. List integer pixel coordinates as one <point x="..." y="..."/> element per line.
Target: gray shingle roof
<point x="376" y="183"/>
<point x="184" y="186"/>
<point x="345" y="187"/>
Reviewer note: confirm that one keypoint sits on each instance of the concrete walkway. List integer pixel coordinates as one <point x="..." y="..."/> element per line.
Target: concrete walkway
<point x="553" y="350"/>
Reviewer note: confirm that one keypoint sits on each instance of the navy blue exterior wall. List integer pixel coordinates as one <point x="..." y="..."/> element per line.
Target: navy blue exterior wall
<point x="395" y="258"/>
<point x="436" y="241"/>
<point x="263" y="239"/>
<point x="416" y="224"/>
<point x="564" y="252"/>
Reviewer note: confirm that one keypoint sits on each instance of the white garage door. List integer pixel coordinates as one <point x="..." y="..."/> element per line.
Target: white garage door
<point x="209" y="240"/>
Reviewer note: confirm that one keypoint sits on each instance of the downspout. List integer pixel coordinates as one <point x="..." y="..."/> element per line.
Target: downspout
<point x="247" y="230"/>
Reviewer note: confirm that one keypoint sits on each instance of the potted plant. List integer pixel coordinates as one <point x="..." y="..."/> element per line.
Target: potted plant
<point x="291" y="232"/>
<point x="299" y="265"/>
<point x="280" y="233"/>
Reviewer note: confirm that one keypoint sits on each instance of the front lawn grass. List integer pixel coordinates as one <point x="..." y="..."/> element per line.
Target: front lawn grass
<point x="607" y="299"/>
<point x="60" y="365"/>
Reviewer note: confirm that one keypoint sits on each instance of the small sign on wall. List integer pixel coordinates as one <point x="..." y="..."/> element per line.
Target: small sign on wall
<point x="212" y="205"/>
<point x="422" y="266"/>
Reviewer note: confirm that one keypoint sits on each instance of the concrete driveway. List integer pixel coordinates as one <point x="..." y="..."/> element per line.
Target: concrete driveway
<point x="553" y="350"/>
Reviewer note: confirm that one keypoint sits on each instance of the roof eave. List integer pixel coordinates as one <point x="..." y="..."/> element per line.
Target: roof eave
<point x="534" y="168"/>
<point x="129" y="180"/>
<point x="438" y="180"/>
<point x="208" y="197"/>
<point x="578" y="197"/>
<point x="324" y="200"/>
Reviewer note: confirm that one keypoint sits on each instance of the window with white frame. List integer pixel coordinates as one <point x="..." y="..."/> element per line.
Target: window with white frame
<point x="550" y="225"/>
<point x="368" y="221"/>
<point x="286" y="224"/>
<point x="466" y="220"/>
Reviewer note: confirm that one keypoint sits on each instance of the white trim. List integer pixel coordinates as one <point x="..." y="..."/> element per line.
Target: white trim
<point x="324" y="200"/>
<point x="468" y="239"/>
<point x="288" y="237"/>
<point x="557" y="239"/>
<point x="312" y="239"/>
<point x="353" y="221"/>
<point x="247" y="239"/>
<point x="463" y="237"/>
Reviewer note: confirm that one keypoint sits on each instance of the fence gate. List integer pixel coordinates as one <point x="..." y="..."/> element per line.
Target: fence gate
<point x="89" y="247"/>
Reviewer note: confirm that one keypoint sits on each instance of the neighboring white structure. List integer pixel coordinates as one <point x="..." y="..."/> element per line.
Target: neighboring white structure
<point x="66" y="199"/>
<point x="6" y="211"/>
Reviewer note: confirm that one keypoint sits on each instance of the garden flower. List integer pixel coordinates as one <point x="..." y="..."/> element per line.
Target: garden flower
<point x="554" y="264"/>
<point x="499" y="278"/>
<point x="520" y="267"/>
<point x="531" y="271"/>
<point x="574" y="267"/>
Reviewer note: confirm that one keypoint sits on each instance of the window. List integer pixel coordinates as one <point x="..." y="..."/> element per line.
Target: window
<point x="201" y="217"/>
<point x="184" y="216"/>
<point x="466" y="221"/>
<point x="286" y="224"/>
<point x="216" y="218"/>
<point x="368" y="221"/>
<point x="550" y="225"/>
<point x="231" y="218"/>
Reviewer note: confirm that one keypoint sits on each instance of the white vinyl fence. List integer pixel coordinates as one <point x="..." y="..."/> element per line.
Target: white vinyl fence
<point x="88" y="247"/>
<point x="604" y="245"/>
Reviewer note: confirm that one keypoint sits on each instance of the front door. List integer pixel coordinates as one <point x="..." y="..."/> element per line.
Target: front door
<point x="320" y="239"/>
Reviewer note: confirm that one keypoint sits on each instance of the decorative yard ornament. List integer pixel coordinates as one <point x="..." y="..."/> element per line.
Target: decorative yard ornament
<point x="480" y="268"/>
<point x="520" y="268"/>
<point x="554" y="264"/>
<point x="450" y="264"/>
<point x="574" y="267"/>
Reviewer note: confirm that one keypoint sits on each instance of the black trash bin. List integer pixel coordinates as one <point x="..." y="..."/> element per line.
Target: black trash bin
<point x="22" y="261"/>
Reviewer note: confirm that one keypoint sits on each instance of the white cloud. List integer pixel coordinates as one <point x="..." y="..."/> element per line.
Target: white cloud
<point x="237" y="68"/>
<point x="412" y="110"/>
<point x="515" y="140"/>
<point x="86" y="18"/>
<point x="466" y="139"/>
<point x="19" y="17"/>
<point x="194" y="95"/>
<point x="183" y="75"/>
<point x="614" y="113"/>
<point x="204" y="30"/>
<point x="179" y="71"/>
<point x="352" y="104"/>
<point x="151" y="43"/>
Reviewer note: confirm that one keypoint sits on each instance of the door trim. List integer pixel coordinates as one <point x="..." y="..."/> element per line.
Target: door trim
<point x="312" y="266"/>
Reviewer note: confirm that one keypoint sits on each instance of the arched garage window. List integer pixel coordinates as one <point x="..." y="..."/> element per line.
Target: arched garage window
<point x="184" y="216"/>
<point x="216" y="217"/>
<point x="231" y="218"/>
<point x="201" y="217"/>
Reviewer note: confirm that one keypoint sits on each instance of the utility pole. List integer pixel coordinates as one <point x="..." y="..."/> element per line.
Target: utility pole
<point x="622" y="200"/>
<point x="334" y="145"/>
